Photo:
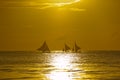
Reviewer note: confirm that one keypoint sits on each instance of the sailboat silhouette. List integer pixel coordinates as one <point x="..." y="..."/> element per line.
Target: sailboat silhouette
<point x="76" y="48"/>
<point x="44" y="48"/>
<point x="66" y="48"/>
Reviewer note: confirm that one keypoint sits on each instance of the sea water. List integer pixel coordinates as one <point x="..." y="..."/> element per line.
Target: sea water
<point x="91" y="65"/>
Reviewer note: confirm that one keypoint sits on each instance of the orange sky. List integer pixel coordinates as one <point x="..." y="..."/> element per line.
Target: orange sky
<point x="93" y="24"/>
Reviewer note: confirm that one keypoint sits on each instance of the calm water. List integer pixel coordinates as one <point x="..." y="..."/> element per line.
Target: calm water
<point x="99" y="65"/>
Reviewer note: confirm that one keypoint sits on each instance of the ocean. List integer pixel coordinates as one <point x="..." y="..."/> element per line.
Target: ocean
<point x="90" y="65"/>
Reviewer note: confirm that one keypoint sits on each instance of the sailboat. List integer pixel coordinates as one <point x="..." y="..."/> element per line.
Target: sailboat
<point x="44" y="48"/>
<point x="66" y="48"/>
<point x="76" y="48"/>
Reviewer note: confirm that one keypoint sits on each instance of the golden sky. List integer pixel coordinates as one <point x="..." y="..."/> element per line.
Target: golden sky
<point x="93" y="24"/>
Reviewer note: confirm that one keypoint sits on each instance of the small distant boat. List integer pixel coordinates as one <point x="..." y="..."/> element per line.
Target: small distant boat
<point x="44" y="48"/>
<point x="76" y="48"/>
<point x="66" y="48"/>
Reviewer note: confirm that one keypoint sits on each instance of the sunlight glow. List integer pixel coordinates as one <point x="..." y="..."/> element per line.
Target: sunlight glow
<point x="53" y="4"/>
<point x="65" y="3"/>
<point x="63" y="67"/>
<point x="60" y="76"/>
<point x="62" y="62"/>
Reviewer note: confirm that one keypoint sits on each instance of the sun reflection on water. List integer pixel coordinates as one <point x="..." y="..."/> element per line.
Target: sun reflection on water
<point x="62" y="62"/>
<point x="62" y="65"/>
<point x="60" y="76"/>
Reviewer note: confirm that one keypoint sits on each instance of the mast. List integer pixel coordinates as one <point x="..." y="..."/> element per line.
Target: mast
<point x="44" y="48"/>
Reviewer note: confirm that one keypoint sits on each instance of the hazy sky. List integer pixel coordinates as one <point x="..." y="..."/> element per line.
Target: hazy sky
<point x="93" y="24"/>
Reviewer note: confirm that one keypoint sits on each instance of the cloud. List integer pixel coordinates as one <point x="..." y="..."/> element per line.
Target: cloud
<point x="41" y="5"/>
<point x="76" y="9"/>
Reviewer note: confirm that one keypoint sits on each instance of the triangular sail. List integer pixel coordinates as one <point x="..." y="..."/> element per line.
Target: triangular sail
<point x="76" y="48"/>
<point x="44" y="48"/>
<point x="66" y="48"/>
